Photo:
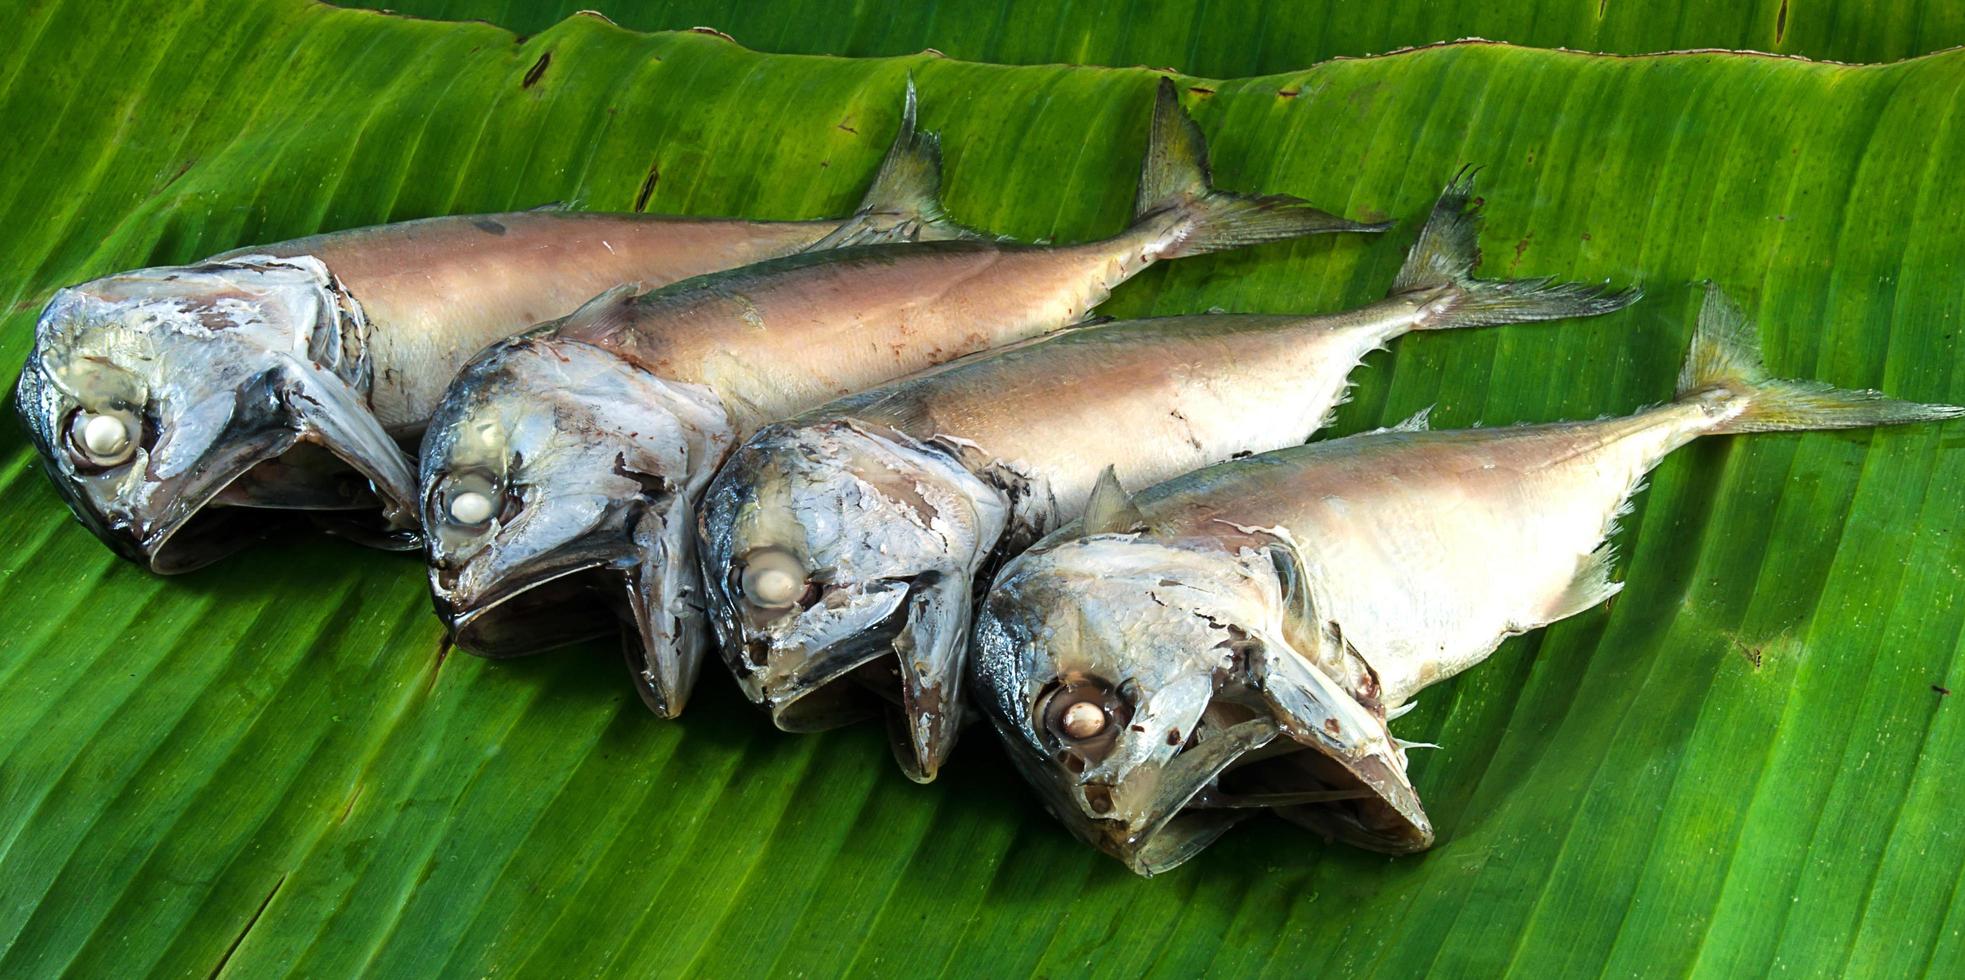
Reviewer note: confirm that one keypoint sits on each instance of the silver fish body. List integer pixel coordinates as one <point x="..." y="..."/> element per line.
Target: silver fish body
<point x="284" y="376"/>
<point x="762" y="343"/>
<point x="882" y="510"/>
<point x="1314" y="591"/>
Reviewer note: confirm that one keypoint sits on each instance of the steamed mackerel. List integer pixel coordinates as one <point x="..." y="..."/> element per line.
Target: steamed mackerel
<point x="844" y="544"/>
<point x="1237" y="638"/>
<point x="282" y="376"/>
<point x="584" y="448"/>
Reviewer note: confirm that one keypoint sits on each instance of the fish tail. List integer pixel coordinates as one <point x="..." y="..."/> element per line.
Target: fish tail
<point x="1442" y="262"/>
<point x="1724" y="373"/>
<point x="904" y="202"/>
<point x="1177" y="194"/>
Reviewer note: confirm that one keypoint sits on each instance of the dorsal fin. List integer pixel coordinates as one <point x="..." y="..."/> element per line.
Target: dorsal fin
<point x="1111" y="509"/>
<point x="601" y="316"/>
<point x="904" y="202"/>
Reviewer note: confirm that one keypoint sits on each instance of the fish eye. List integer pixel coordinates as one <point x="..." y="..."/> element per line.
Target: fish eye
<point x="101" y="440"/>
<point x="472" y="499"/>
<point x="774" y="579"/>
<point x="1083" y="719"/>
<point x="1083" y="716"/>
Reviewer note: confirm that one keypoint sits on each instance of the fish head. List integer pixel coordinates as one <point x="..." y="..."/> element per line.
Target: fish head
<point x="1157" y="690"/>
<point x="840" y="555"/>
<point x="557" y="488"/>
<point x="150" y="394"/>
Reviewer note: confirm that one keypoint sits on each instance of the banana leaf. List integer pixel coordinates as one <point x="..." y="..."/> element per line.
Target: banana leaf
<point x="275" y="766"/>
<point x="1252" y="37"/>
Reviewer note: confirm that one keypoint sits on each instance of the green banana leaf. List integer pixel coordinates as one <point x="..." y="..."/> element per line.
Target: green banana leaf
<point x="1746" y="765"/>
<point x="1252" y="37"/>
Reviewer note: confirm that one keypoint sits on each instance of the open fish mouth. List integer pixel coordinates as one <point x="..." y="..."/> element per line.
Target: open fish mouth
<point x="1157" y="818"/>
<point x="518" y="618"/>
<point x="188" y="534"/>
<point x="838" y="643"/>
<point x="845" y="653"/>
<point x="229" y="501"/>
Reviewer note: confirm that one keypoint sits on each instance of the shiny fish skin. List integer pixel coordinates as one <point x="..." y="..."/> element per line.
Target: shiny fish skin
<point x="758" y="344"/>
<point x="436" y="291"/>
<point x="888" y="504"/>
<point x="1315" y="590"/>
<point x="334" y="347"/>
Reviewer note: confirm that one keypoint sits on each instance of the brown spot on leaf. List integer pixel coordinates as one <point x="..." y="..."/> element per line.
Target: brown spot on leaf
<point x="648" y="186"/>
<point x="537" y="71"/>
<point x="352" y="797"/>
<point x="444" y="646"/>
<point x="182" y="169"/>
<point x="1754" y="654"/>
<point x="1781" y="22"/>
<point x="1943" y="691"/>
<point x="1288" y="93"/>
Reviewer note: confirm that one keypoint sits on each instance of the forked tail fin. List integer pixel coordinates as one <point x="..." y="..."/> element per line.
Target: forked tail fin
<point x="1175" y="187"/>
<point x="1724" y="371"/>
<point x="1442" y="262"/>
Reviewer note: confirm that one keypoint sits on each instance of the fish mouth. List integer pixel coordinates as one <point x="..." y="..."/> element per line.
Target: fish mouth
<point x="539" y="613"/>
<point x="1165" y="827"/>
<point x="187" y="537"/>
<point x="284" y="424"/>
<point x="784" y="672"/>
<point x="188" y="530"/>
<point x="900" y="647"/>
<point x="1230" y="770"/>
<point x="220" y="512"/>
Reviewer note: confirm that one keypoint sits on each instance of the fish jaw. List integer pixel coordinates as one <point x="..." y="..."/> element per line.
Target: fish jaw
<point x="555" y="476"/>
<point x="875" y="539"/>
<point x="1156" y="693"/>
<point x="196" y="375"/>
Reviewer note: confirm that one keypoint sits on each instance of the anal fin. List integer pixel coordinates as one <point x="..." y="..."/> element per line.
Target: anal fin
<point x="1591" y="586"/>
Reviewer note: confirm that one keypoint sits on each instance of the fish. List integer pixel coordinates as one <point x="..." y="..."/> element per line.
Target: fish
<point x="180" y="410"/>
<point x="846" y="544"/>
<point x="1238" y="639"/>
<point x="562" y="470"/>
